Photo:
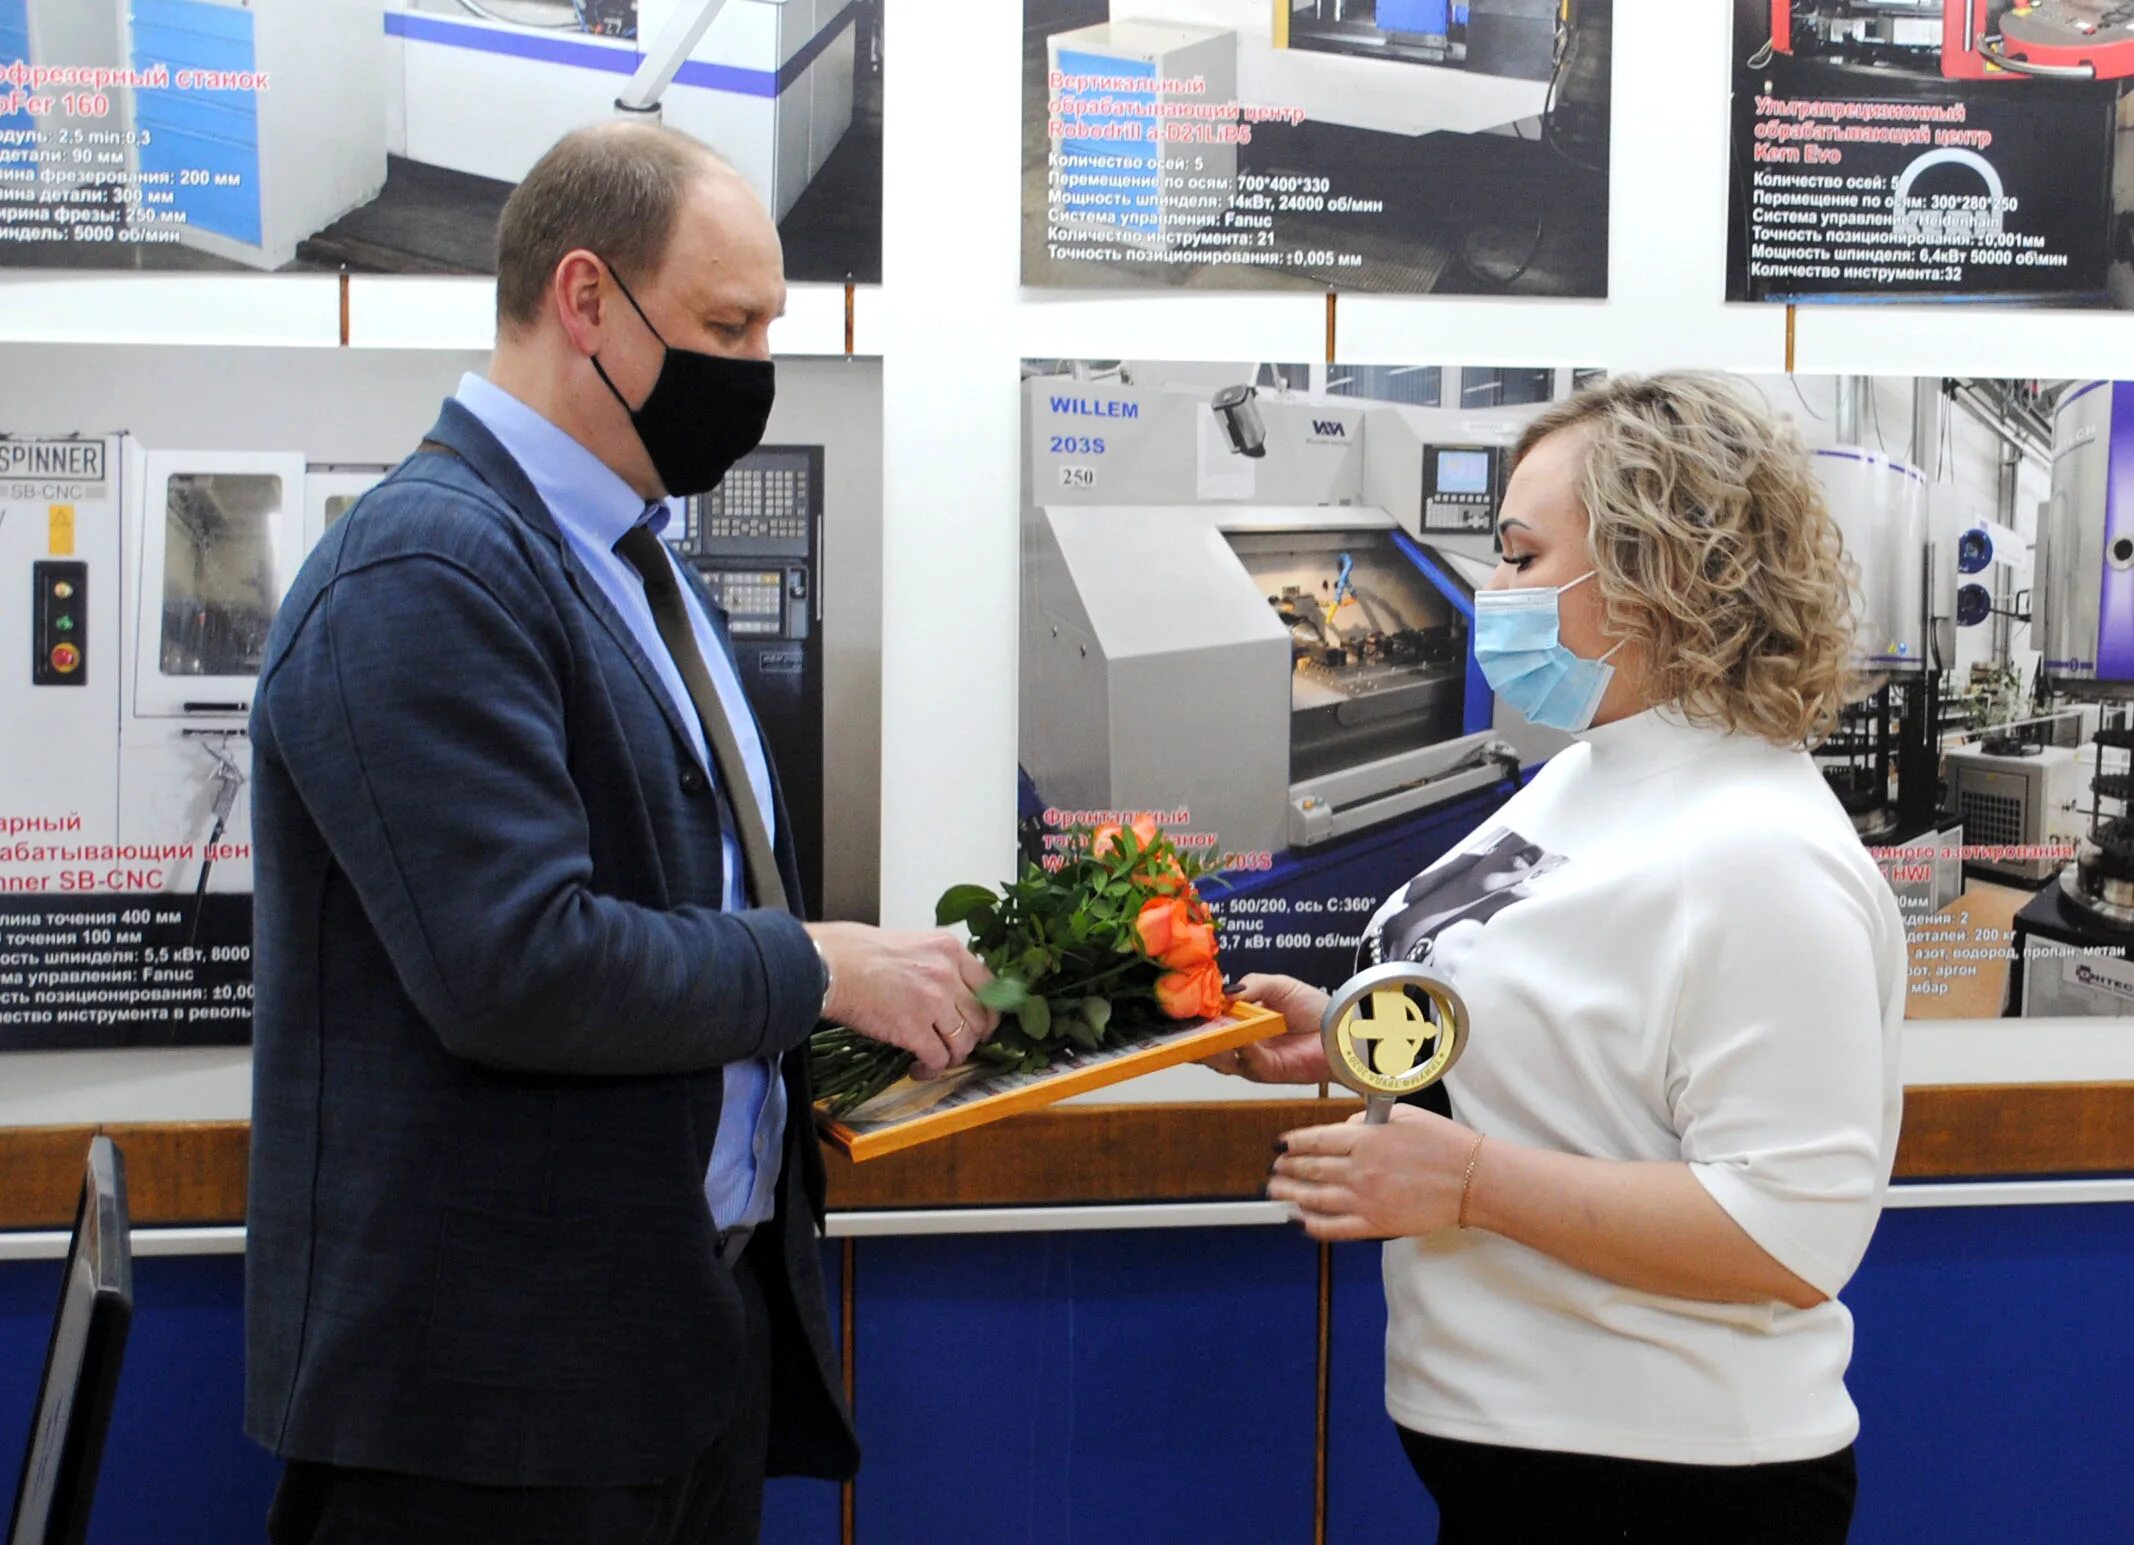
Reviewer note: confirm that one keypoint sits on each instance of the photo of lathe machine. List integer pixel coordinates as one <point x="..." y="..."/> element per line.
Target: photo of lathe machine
<point x="1253" y="602"/>
<point x="1246" y="607"/>
<point x="152" y="579"/>
<point x="141" y="581"/>
<point x="146" y="581"/>
<point x="384" y="135"/>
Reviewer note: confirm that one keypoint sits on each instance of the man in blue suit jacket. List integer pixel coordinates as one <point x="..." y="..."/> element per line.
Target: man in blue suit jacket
<point x="534" y="1224"/>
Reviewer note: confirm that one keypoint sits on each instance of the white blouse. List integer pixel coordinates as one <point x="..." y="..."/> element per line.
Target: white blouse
<point x="1673" y="947"/>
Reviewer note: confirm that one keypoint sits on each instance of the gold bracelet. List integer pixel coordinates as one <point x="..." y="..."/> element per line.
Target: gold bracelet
<point x="1467" y="1184"/>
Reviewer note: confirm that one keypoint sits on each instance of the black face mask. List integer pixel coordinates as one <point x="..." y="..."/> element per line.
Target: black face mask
<point x="705" y="411"/>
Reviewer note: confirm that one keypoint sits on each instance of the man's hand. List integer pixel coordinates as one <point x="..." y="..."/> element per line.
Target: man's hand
<point x="1298" y="1055"/>
<point x="915" y="991"/>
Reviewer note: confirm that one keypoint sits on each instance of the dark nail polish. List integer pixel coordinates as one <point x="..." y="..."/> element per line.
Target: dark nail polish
<point x="1280" y="1146"/>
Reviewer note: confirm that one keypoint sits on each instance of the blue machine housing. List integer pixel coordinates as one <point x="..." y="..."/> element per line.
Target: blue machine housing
<point x="211" y="132"/>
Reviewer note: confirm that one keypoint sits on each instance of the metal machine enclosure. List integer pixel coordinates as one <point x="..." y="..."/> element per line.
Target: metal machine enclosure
<point x="2005" y="40"/>
<point x="769" y="84"/>
<point x="2085" y="552"/>
<point x="146" y="582"/>
<point x="1116" y="187"/>
<point x="1880" y="506"/>
<point x="281" y="162"/>
<point x="757" y="542"/>
<point x="1155" y="671"/>
<point x="2019" y="801"/>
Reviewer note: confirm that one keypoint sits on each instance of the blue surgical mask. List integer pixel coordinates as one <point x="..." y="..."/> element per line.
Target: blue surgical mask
<point x="1522" y="655"/>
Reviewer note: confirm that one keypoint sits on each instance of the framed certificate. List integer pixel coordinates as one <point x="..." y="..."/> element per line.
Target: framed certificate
<point x="913" y="1111"/>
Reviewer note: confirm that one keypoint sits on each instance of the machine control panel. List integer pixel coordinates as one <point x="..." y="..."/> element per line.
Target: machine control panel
<point x="756" y="601"/>
<point x="60" y="607"/>
<point x="753" y="540"/>
<point x="1462" y="485"/>
<point x="766" y="507"/>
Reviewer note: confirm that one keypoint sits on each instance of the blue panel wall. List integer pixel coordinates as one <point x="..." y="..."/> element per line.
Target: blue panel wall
<point x="178" y="1470"/>
<point x="1372" y="1496"/>
<point x="1994" y="1373"/>
<point x="28" y="1294"/>
<point x="1993" y="1368"/>
<point x="1072" y="1389"/>
<point x="1052" y="1389"/>
<point x="801" y="1512"/>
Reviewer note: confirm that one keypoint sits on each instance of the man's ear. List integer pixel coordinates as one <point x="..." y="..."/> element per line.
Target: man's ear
<point x="578" y="298"/>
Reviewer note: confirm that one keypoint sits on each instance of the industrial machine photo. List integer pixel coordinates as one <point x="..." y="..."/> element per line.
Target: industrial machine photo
<point x="1883" y="761"/>
<point x="1492" y="37"/>
<point x="384" y="135"/>
<point x="1252" y="602"/>
<point x="146" y="580"/>
<point x="1402" y="145"/>
<point x="1963" y="39"/>
<point x="2075" y="945"/>
<point x="757" y="542"/>
<point x="1993" y="127"/>
<point x="1989" y="760"/>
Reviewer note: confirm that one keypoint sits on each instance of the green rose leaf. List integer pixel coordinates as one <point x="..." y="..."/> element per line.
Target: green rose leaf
<point x="1036" y="1015"/>
<point x="1004" y="995"/>
<point x="959" y="903"/>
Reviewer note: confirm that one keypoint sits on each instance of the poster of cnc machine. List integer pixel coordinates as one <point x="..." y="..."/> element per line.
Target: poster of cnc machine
<point x="383" y="136"/>
<point x="1247" y="611"/>
<point x="155" y="504"/>
<point x="1932" y="150"/>
<point x="1455" y="147"/>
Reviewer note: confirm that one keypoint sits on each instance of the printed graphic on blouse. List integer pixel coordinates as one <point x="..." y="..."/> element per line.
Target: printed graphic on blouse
<point x="1438" y="918"/>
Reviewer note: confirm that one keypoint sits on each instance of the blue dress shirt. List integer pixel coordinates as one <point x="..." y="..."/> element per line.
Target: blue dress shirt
<point x="594" y="508"/>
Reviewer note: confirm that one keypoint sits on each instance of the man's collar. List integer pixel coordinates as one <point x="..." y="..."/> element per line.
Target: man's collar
<point x="580" y="490"/>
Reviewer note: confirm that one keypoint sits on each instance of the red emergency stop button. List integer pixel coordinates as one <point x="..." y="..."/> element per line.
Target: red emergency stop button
<point x="66" y="658"/>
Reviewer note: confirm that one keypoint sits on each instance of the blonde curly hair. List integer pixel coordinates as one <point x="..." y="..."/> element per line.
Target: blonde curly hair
<point x="1715" y="552"/>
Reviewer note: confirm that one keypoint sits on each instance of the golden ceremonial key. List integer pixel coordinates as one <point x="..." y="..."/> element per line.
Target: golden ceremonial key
<point x="1391" y="1031"/>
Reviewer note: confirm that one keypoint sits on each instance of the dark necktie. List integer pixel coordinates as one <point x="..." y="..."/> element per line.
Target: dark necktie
<point x="670" y="613"/>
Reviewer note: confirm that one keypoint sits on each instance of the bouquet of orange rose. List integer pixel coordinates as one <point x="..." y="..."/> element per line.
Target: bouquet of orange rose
<point x="1114" y="940"/>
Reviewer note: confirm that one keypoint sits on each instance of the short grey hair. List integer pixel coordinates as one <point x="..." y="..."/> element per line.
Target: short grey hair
<point x="614" y="189"/>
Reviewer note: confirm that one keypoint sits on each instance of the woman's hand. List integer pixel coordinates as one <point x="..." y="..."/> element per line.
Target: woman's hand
<point x="1297" y="1056"/>
<point x="1384" y="1182"/>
